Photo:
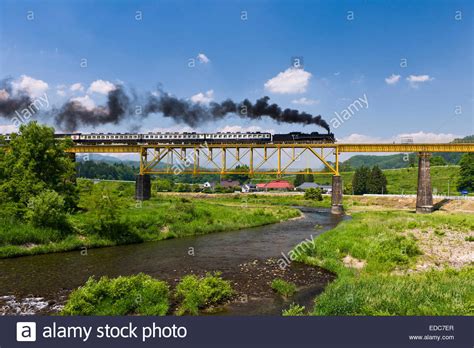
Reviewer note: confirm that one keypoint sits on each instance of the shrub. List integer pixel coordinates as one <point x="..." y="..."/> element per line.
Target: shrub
<point x="283" y="288"/>
<point x="139" y="294"/>
<point x="294" y="310"/>
<point x="313" y="194"/>
<point x="47" y="210"/>
<point x="196" y="293"/>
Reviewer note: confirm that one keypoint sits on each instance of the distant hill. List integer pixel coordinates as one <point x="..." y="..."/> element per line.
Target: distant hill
<point x="399" y="160"/>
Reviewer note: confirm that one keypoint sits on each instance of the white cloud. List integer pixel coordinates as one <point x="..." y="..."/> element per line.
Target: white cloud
<point x="85" y="101"/>
<point x="101" y="86"/>
<point x="235" y="128"/>
<point x="422" y="137"/>
<point x="291" y="80"/>
<point x="337" y="73"/>
<point x="414" y="80"/>
<point x="417" y="137"/>
<point x="33" y="87"/>
<point x="61" y="92"/>
<point x="4" y="95"/>
<point x="392" y="79"/>
<point x="7" y="128"/>
<point x="305" y="101"/>
<point x="203" y="98"/>
<point x="203" y="58"/>
<point x="75" y="87"/>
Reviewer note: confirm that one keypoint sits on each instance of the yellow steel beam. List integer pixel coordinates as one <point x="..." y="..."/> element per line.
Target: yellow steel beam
<point x="460" y="147"/>
<point x="453" y="147"/>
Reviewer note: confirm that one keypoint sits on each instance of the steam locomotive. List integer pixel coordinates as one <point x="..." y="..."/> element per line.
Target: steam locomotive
<point x="193" y="138"/>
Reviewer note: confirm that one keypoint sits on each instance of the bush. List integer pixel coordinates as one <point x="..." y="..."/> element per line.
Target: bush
<point x="196" y="293"/>
<point x="283" y="288"/>
<point x="294" y="310"/>
<point x="47" y="210"/>
<point x="313" y="194"/>
<point x="139" y="294"/>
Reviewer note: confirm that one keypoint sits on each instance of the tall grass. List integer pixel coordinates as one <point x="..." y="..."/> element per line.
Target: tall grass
<point x="377" y="239"/>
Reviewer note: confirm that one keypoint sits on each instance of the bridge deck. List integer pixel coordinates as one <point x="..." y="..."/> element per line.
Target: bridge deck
<point x="341" y="148"/>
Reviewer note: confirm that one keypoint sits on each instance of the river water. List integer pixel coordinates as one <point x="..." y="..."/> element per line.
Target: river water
<point x="249" y="258"/>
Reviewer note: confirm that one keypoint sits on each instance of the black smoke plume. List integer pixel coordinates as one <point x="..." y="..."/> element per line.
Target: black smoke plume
<point x="10" y="103"/>
<point x="73" y="113"/>
<point x="194" y="114"/>
<point x="120" y="107"/>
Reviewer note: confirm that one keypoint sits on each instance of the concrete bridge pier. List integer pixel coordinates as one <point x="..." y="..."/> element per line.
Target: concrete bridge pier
<point x="424" y="195"/>
<point x="142" y="187"/>
<point x="336" y="196"/>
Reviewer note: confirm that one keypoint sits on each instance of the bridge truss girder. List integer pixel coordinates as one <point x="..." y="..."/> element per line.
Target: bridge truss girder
<point x="275" y="159"/>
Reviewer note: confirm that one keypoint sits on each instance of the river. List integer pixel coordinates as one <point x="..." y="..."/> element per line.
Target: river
<point x="249" y="258"/>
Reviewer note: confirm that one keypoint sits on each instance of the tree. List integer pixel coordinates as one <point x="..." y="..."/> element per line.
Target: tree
<point x="299" y="179"/>
<point x="239" y="177"/>
<point x="437" y="161"/>
<point x="163" y="185"/>
<point x="47" y="210"/>
<point x="466" y="172"/>
<point x="308" y="177"/>
<point x="360" y="179"/>
<point x="377" y="182"/>
<point x="36" y="162"/>
<point x="313" y="194"/>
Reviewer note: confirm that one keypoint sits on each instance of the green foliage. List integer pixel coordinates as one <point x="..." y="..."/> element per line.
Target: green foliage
<point x="133" y="295"/>
<point x="47" y="210"/>
<point x="294" y="310"/>
<point x="437" y="161"/>
<point x="466" y="172"/>
<point x="381" y="240"/>
<point x="242" y="178"/>
<point x="36" y="162"/>
<point x="313" y="194"/>
<point x="299" y="179"/>
<point x="162" y="185"/>
<point x="105" y="171"/>
<point x="432" y="293"/>
<point x="366" y="180"/>
<point x="308" y="177"/>
<point x="376" y="182"/>
<point x="283" y="288"/>
<point x="183" y="188"/>
<point x="196" y="293"/>
<point x="360" y="180"/>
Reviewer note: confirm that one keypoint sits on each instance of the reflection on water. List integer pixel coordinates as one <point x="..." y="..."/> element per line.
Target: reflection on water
<point x="52" y="275"/>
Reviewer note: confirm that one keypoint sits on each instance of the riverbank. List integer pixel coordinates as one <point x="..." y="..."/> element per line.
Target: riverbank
<point x="396" y="263"/>
<point x="162" y="217"/>
<point x="249" y="258"/>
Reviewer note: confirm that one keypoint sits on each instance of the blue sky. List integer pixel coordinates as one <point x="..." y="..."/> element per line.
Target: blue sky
<point x="350" y="50"/>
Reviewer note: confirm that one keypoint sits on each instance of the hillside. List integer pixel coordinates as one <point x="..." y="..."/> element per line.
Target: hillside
<point x="405" y="180"/>
<point x="400" y="160"/>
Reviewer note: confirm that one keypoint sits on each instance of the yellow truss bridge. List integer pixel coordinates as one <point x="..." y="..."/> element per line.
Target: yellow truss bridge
<point x="277" y="159"/>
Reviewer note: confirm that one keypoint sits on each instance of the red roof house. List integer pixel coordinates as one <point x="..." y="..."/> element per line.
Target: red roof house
<point x="281" y="185"/>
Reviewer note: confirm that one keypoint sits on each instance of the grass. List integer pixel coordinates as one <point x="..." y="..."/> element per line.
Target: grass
<point x="143" y="295"/>
<point x="162" y="217"/>
<point x="404" y="180"/>
<point x="283" y="287"/>
<point x="196" y="293"/>
<point x="383" y="241"/>
<point x="133" y="295"/>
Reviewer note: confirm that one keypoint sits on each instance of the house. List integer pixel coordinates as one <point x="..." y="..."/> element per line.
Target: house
<point x="249" y="188"/>
<point x="307" y="185"/>
<point x="326" y="188"/>
<point x="279" y="185"/>
<point x="208" y="185"/>
<point x="229" y="183"/>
